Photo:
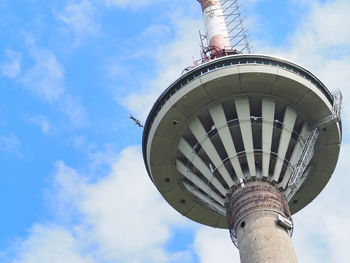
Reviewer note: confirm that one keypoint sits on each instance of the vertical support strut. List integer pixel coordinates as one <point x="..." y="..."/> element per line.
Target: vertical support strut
<point x="218" y="115"/>
<point x="288" y="124"/>
<point x="243" y="111"/>
<point x="268" y="114"/>
<point x="199" y="132"/>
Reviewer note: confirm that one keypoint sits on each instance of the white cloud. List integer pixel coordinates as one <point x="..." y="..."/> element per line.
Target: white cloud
<point x="80" y="18"/>
<point x="322" y="228"/>
<point x="214" y="245"/>
<point x="327" y="24"/>
<point x="50" y="243"/>
<point x="45" y="78"/>
<point x="68" y="191"/>
<point x="11" y="68"/>
<point x="125" y="211"/>
<point x="120" y="218"/>
<point x="326" y="37"/>
<point x="323" y="35"/>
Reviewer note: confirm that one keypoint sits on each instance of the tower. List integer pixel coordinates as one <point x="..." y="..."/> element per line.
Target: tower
<point x="243" y="141"/>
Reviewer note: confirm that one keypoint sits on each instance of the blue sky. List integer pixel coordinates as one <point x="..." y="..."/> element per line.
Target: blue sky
<point x="73" y="186"/>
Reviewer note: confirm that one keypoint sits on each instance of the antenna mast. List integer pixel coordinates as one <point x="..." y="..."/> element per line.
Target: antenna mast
<point x="224" y="25"/>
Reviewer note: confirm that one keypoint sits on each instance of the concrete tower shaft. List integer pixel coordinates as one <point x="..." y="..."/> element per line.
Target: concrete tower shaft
<point x="253" y="213"/>
<point x="215" y="24"/>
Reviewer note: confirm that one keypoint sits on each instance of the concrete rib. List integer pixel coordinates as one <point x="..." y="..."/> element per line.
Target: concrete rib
<point x="186" y="150"/>
<point x="218" y="115"/>
<point x="289" y="119"/>
<point x="201" y="135"/>
<point x="205" y="199"/>
<point x="268" y="114"/>
<point x="243" y="111"/>
<point x="198" y="182"/>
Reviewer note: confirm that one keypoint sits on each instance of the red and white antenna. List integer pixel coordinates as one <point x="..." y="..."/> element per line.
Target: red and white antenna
<point x="215" y="24"/>
<point x="225" y="33"/>
<point x="224" y="25"/>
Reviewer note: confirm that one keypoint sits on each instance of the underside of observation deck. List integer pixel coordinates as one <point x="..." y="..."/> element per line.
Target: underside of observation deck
<point x="238" y="119"/>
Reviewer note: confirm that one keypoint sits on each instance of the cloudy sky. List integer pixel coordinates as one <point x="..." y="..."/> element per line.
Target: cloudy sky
<point x="73" y="185"/>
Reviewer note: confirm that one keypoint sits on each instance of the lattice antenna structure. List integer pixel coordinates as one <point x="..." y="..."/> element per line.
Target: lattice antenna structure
<point x="234" y="24"/>
<point x="243" y="141"/>
<point x="224" y="26"/>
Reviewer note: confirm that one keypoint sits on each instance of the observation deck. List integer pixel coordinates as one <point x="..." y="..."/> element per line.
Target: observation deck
<point x="238" y="119"/>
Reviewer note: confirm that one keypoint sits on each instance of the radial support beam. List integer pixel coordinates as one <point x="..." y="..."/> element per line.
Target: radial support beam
<point x="290" y="117"/>
<point x="218" y="115"/>
<point x="298" y="149"/>
<point x="198" y="182"/>
<point x="201" y="135"/>
<point x="268" y="114"/>
<point x="243" y="111"/>
<point x="205" y="199"/>
<point x="186" y="149"/>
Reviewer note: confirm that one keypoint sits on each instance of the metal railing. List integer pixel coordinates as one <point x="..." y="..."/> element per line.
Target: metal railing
<point x="305" y="158"/>
<point x="230" y="61"/>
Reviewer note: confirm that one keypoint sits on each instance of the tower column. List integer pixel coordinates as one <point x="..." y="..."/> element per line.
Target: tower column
<point x="258" y="217"/>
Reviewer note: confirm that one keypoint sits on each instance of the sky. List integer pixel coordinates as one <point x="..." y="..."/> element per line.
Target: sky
<point x="73" y="186"/>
